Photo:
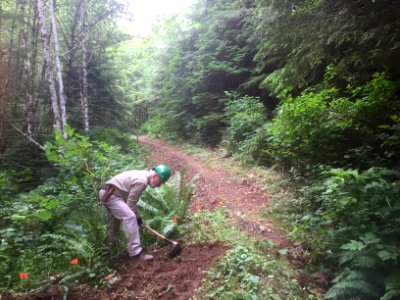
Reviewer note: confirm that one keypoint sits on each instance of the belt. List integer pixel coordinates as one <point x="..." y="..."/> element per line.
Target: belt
<point x="109" y="191"/>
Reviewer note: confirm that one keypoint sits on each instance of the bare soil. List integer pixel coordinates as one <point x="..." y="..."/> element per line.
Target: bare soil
<point x="162" y="278"/>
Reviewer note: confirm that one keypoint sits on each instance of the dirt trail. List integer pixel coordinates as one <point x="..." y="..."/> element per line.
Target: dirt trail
<point x="214" y="186"/>
<point x="243" y="198"/>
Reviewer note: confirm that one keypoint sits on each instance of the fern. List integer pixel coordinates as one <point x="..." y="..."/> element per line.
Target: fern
<point x="392" y="294"/>
<point x="353" y="290"/>
<point x="158" y="207"/>
<point x="160" y="198"/>
<point x="392" y="287"/>
<point x="75" y="245"/>
<point x="147" y="208"/>
<point x="167" y="230"/>
<point x="347" y="257"/>
<point x="352" y="284"/>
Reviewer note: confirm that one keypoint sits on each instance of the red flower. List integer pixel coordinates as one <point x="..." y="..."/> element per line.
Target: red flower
<point x="174" y="219"/>
<point x="74" y="261"/>
<point x="23" y="275"/>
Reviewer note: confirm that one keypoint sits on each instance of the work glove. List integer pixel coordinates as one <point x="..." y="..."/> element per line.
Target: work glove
<point x="139" y="221"/>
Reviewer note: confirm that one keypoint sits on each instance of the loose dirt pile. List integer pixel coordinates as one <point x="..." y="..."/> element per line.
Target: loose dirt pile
<point x="163" y="278"/>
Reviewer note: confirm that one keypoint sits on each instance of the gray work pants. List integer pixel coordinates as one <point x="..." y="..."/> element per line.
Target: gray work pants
<point x="117" y="209"/>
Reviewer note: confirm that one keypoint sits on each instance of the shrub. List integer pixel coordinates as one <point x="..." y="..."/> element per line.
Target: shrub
<point x="244" y="117"/>
<point x="357" y="214"/>
<point x="321" y="126"/>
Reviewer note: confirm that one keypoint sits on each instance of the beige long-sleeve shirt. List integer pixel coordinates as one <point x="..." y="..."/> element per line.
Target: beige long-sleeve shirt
<point x="129" y="186"/>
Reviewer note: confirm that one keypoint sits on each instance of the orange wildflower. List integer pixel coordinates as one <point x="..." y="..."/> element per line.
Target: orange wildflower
<point x="174" y="219"/>
<point x="199" y="206"/>
<point x="23" y="275"/>
<point x="74" y="261"/>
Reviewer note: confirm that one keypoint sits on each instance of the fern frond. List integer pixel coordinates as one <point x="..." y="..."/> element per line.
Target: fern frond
<point x="145" y="206"/>
<point x="392" y="294"/>
<point x="157" y="198"/>
<point x="74" y="244"/>
<point x="347" y="256"/>
<point x="392" y="287"/>
<point x="353" y="289"/>
<point x="167" y="230"/>
<point x="352" y="284"/>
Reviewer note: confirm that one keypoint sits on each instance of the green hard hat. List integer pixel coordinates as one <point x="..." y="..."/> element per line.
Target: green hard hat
<point x="163" y="172"/>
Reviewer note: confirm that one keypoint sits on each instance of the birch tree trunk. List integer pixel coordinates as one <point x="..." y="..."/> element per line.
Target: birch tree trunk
<point x="31" y="72"/>
<point x="84" y="84"/>
<point x="49" y="66"/>
<point x="61" y="93"/>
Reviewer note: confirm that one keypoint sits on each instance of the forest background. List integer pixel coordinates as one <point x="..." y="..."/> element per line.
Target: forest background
<point x="309" y="87"/>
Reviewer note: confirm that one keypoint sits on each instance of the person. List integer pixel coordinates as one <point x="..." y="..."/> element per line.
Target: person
<point x="120" y="196"/>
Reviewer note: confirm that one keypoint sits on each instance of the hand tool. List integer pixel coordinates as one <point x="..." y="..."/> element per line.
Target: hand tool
<point x="176" y="249"/>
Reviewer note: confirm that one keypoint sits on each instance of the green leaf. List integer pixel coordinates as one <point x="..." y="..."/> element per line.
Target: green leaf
<point x="283" y="251"/>
<point x="387" y="254"/>
<point x="16" y="217"/>
<point x="255" y="279"/>
<point x="44" y="215"/>
<point x="354" y="246"/>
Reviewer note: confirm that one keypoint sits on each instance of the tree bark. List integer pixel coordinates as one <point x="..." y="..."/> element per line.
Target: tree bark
<point x="61" y="93"/>
<point x="49" y="66"/>
<point x="1" y="15"/>
<point x="84" y="84"/>
<point x="29" y="138"/>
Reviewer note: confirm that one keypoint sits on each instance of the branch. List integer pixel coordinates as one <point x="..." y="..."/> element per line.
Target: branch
<point x="29" y="137"/>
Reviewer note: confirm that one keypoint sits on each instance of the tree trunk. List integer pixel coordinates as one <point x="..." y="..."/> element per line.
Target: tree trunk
<point x="84" y="85"/>
<point x="7" y="79"/>
<point x="71" y="44"/>
<point x="49" y="66"/>
<point x="1" y="15"/>
<point x="61" y="93"/>
<point x="31" y="72"/>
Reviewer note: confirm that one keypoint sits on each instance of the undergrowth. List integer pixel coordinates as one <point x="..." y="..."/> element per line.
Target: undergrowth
<point x="55" y="233"/>
<point x="250" y="269"/>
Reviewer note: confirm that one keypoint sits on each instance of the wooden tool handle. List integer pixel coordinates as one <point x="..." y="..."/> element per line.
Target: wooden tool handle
<point x="157" y="233"/>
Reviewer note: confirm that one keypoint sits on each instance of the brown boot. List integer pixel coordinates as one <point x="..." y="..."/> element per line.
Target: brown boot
<point x="141" y="256"/>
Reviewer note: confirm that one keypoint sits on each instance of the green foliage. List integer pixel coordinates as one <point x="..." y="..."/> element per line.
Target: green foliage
<point x="241" y="268"/>
<point x="205" y="58"/>
<point x="8" y="184"/>
<point x="244" y="116"/>
<point x="320" y="126"/>
<point x="208" y="226"/>
<point x="247" y="270"/>
<point x="297" y="40"/>
<point x="357" y="214"/>
<point x="360" y="284"/>
<point x="160" y="126"/>
<point x="42" y="230"/>
<point x="114" y="137"/>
